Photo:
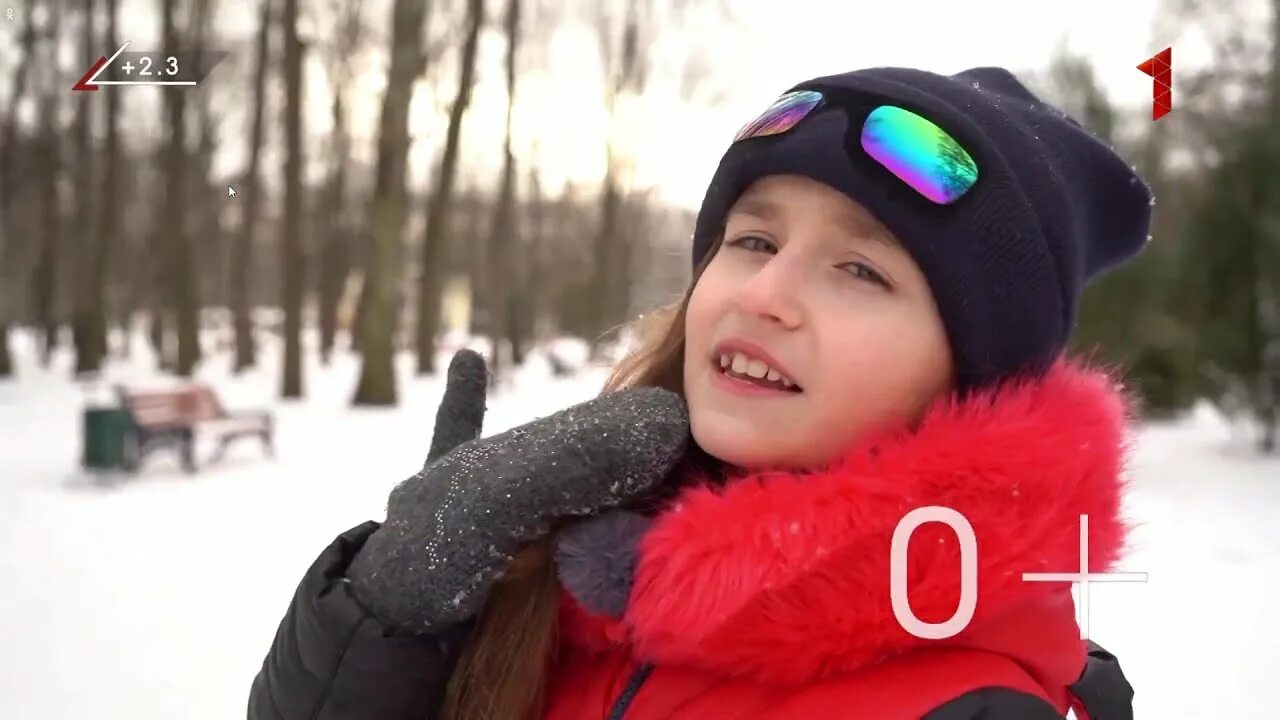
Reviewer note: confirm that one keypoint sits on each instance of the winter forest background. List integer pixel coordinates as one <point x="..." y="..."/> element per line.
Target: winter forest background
<point x="521" y="176"/>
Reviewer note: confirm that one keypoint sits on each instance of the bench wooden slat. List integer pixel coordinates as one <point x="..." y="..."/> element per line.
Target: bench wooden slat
<point x="168" y="416"/>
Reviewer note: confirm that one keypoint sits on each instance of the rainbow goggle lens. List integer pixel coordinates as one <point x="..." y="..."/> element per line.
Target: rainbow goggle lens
<point x="912" y="147"/>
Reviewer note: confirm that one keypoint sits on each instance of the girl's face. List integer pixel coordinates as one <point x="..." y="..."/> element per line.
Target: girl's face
<point x="826" y="324"/>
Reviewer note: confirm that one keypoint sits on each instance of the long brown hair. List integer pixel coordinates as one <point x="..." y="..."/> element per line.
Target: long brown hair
<point x="503" y="670"/>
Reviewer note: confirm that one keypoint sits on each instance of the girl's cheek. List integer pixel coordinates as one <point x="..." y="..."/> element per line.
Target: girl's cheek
<point x="694" y="322"/>
<point x="705" y="305"/>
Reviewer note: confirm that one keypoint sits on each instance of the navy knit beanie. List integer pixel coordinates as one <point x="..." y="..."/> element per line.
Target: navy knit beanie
<point x="1052" y="206"/>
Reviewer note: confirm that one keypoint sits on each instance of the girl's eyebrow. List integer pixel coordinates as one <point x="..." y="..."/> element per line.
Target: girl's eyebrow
<point x="857" y="224"/>
<point x="757" y="207"/>
<point x="863" y="225"/>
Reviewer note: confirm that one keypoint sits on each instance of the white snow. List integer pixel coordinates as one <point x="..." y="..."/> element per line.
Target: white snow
<point x="156" y="596"/>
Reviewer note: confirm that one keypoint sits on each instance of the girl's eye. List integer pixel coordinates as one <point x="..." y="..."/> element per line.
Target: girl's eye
<point x="754" y="243"/>
<point x="863" y="271"/>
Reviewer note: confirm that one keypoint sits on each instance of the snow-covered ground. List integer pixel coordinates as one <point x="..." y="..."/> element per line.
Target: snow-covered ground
<point x="156" y="596"/>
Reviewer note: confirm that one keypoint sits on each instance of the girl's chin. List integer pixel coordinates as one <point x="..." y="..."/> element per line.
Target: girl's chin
<point x="748" y="450"/>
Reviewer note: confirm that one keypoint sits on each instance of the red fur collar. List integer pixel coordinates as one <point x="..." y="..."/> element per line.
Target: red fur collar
<point x="784" y="576"/>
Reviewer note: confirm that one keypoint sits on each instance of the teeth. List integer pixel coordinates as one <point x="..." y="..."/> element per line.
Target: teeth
<point x="752" y="367"/>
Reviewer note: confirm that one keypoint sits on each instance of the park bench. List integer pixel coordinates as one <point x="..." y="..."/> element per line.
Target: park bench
<point x="172" y="418"/>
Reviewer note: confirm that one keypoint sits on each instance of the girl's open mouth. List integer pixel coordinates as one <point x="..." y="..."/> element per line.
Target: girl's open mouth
<point x="742" y="372"/>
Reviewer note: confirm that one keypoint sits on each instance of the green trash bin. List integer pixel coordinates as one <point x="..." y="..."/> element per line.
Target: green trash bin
<point x="105" y="432"/>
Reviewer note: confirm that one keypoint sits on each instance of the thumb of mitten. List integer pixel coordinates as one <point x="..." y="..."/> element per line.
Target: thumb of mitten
<point x="461" y="413"/>
<point x="458" y="420"/>
<point x="596" y="559"/>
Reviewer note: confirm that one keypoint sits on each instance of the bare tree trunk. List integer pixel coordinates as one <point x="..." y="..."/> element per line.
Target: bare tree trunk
<point x="183" y="291"/>
<point x="8" y="191"/>
<point x="338" y="235"/>
<point x="435" y="240"/>
<point x="504" y="244"/>
<point x="1268" y="286"/>
<point x="293" y="262"/>
<point x="606" y="243"/>
<point x="205" y="231"/>
<point x="87" y="329"/>
<point x="242" y="254"/>
<point x="625" y="66"/>
<point x="377" y="384"/>
<point x="363" y="260"/>
<point x="47" y="271"/>
<point x="6" y="356"/>
<point x="46" y="274"/>
<point x="530" y="302"/>
<point x="109" y="221"/>
<point x="157" y="329"/>
<point x="335" y="253"/>
<point x="155" y="257"/>
<point x="478" y="271"/>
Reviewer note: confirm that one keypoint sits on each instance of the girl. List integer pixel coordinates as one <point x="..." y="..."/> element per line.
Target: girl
<point x="882" y="437"/>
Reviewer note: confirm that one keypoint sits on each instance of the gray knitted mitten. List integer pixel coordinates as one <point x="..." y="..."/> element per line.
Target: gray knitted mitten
<point x="452" y="529"/>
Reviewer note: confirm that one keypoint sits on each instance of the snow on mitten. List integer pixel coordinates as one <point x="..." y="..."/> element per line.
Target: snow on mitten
<point x="453" y="528"/>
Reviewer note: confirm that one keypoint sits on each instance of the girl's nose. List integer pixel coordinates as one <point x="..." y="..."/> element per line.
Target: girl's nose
<point x="773" y="293"/>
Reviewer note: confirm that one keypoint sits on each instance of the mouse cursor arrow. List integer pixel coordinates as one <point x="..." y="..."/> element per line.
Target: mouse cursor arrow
<point x="231" y="192"/>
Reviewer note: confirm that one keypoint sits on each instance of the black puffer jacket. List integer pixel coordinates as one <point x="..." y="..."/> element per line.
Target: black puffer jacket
<point x="331" y="660"/>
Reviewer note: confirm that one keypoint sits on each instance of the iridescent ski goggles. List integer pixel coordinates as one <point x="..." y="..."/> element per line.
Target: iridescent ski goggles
<point x="912" y="147"/>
